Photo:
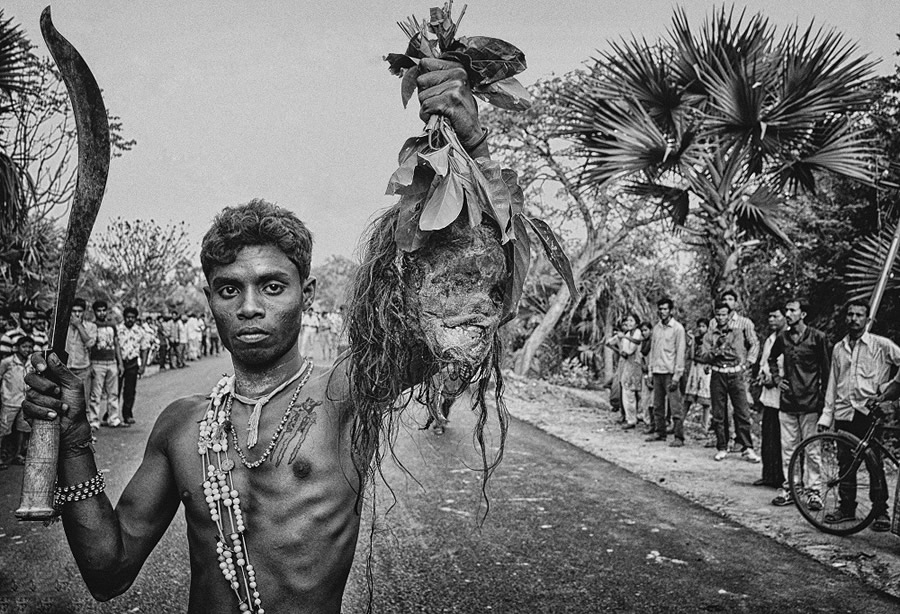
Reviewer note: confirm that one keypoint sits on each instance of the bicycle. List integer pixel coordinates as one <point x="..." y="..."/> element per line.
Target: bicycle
<point x="848" y="471"/>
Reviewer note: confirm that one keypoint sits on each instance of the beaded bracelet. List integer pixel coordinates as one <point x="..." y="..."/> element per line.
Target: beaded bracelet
<point x="79" y="492"/>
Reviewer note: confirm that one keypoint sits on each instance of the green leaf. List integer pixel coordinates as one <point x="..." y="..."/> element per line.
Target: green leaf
<point x="489" y="177"/>
<point x="437" y="160"/>
<point x="516" y="195"/>
<point x="518" y="259"/>
<point x="507" y="94"/>
<point x="555" y="253"/>
<point x="408" y="84"/>
<point x="444" y="205"/>
<point x="408" y="159"/>
<point x="492" y="59"/>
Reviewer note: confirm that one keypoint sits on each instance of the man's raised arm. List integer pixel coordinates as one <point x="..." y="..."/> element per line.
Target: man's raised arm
<point x="109" y="545"/>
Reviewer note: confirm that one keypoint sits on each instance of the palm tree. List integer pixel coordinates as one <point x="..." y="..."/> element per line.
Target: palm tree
<point x="14" y="56"/>
<point x="723" y="125"/>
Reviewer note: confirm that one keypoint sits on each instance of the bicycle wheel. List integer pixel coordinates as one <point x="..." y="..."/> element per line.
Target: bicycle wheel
<point x="833" y="466"/>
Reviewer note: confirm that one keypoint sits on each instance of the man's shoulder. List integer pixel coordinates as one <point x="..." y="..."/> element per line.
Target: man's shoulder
<point x="182" y="411"/>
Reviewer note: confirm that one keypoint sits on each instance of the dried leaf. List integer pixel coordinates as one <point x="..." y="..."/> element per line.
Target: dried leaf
<point x="554" y="252"/>
<point x="398" y="62"/>
<point x="408" y="85"/>
<point x="444" y="205"/>
<point x="493" y="59"/>
<point x="507" y="94"/>
<point x="518" y="260"/>
<point x="437" y="160"/>
<point x="408" y="235"/>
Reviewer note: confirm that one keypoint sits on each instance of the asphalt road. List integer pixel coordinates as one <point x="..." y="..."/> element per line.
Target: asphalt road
<point x="566" y="532"/>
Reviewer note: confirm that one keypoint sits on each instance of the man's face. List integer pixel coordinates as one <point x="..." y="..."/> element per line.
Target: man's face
<point x="792" y="313"/>
<point x="257" y="302"/>
<point x="77" y="313"/>
<point x="731" y="301"/>
<point x="27" y="320"/>
<point x="100" y="313"/>
<point x="856" y="318"/>
<point x="129" y="319"/>
<point x="25" y="350"/>
<point x="776" y="320"/>
<point x="722" y="314"/>
<point x="664" y="311"/>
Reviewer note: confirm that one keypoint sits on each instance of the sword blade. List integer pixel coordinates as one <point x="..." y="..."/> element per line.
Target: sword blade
<point x="93" y="169"/>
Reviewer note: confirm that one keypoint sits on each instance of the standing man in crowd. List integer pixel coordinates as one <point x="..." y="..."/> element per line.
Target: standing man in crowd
<point x="770" y="401"/>
<point x="80" y="338"/>
<point x="213" y="334"/>
<point x="806" y="368"/>
<point x="106" y="364"/>
<point x="12" y="394"/>
<point x="28" y="315"/>
<point x="730" y="348"/>
<point x="668" y="345"/>
<point x="134" y="347"/>
<point x="181" y="339"/>
<point x="860" y="364"/>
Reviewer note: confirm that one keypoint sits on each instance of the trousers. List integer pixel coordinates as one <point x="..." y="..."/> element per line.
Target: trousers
<point x="722" y="387"/>
<point x="661" y="392"/>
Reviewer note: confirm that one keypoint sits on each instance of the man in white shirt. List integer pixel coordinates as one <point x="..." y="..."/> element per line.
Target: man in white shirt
<point x="668" y="346"/>
<point x="860" y="365"/>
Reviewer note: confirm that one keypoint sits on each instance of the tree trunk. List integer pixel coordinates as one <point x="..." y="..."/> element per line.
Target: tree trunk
<point x="539" y="335"/>
<point x="609" y="370"/>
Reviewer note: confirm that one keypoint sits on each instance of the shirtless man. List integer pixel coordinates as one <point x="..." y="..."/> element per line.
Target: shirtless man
<point x="295" y="491"/>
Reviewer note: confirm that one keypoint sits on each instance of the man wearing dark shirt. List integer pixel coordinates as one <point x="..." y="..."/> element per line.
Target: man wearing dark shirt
<point x="806" y="366"/>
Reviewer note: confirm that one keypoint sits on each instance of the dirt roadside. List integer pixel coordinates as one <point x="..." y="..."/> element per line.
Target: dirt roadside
<point x="583" y="419"/>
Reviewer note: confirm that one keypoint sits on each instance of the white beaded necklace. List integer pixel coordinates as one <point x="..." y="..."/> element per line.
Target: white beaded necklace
<point x="223" y="498"/>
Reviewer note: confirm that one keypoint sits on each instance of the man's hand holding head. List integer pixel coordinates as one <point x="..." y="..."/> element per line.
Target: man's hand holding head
<point x="444" y="90"/>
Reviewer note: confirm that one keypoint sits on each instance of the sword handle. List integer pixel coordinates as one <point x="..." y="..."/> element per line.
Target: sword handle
<point x="39" y="478"/>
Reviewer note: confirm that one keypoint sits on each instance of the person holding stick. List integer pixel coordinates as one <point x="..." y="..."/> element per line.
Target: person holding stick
<point x="273" y="516"/>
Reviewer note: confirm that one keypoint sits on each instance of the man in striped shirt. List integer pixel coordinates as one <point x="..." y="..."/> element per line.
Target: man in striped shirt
<point x="28" y="315"/>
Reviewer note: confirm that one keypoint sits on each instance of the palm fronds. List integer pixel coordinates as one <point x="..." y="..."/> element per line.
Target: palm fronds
<point x="866" y="264"/>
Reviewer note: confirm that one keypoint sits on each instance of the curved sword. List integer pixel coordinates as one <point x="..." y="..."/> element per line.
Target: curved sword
<point x="93" y="168"/>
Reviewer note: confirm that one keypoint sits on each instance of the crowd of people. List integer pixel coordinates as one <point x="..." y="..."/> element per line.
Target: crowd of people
<point x="108" y="357"/>
<point x="796" y="380"/>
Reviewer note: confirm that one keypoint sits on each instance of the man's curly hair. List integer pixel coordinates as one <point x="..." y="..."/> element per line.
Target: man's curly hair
<point x="257" y="223"/>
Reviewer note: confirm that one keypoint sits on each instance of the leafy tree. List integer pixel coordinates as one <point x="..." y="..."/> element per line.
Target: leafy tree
<point x="333" y="279"/>
<point x="725" y="124"/>
<point x="548" y="171"/>
<point x="14" y="57"/>
<point x="39" y="142"/>
<point x="138" y="263"/>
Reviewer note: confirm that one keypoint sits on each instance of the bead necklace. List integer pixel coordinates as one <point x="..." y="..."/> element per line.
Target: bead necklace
<point x="223" y="498"/>
<point x="278" y="431"/>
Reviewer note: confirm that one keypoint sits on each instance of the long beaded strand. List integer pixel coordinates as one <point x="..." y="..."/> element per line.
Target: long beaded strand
<point x="220" y="493"/>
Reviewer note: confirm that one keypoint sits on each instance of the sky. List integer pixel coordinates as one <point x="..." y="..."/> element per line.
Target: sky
<point x="291" y="101"/>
